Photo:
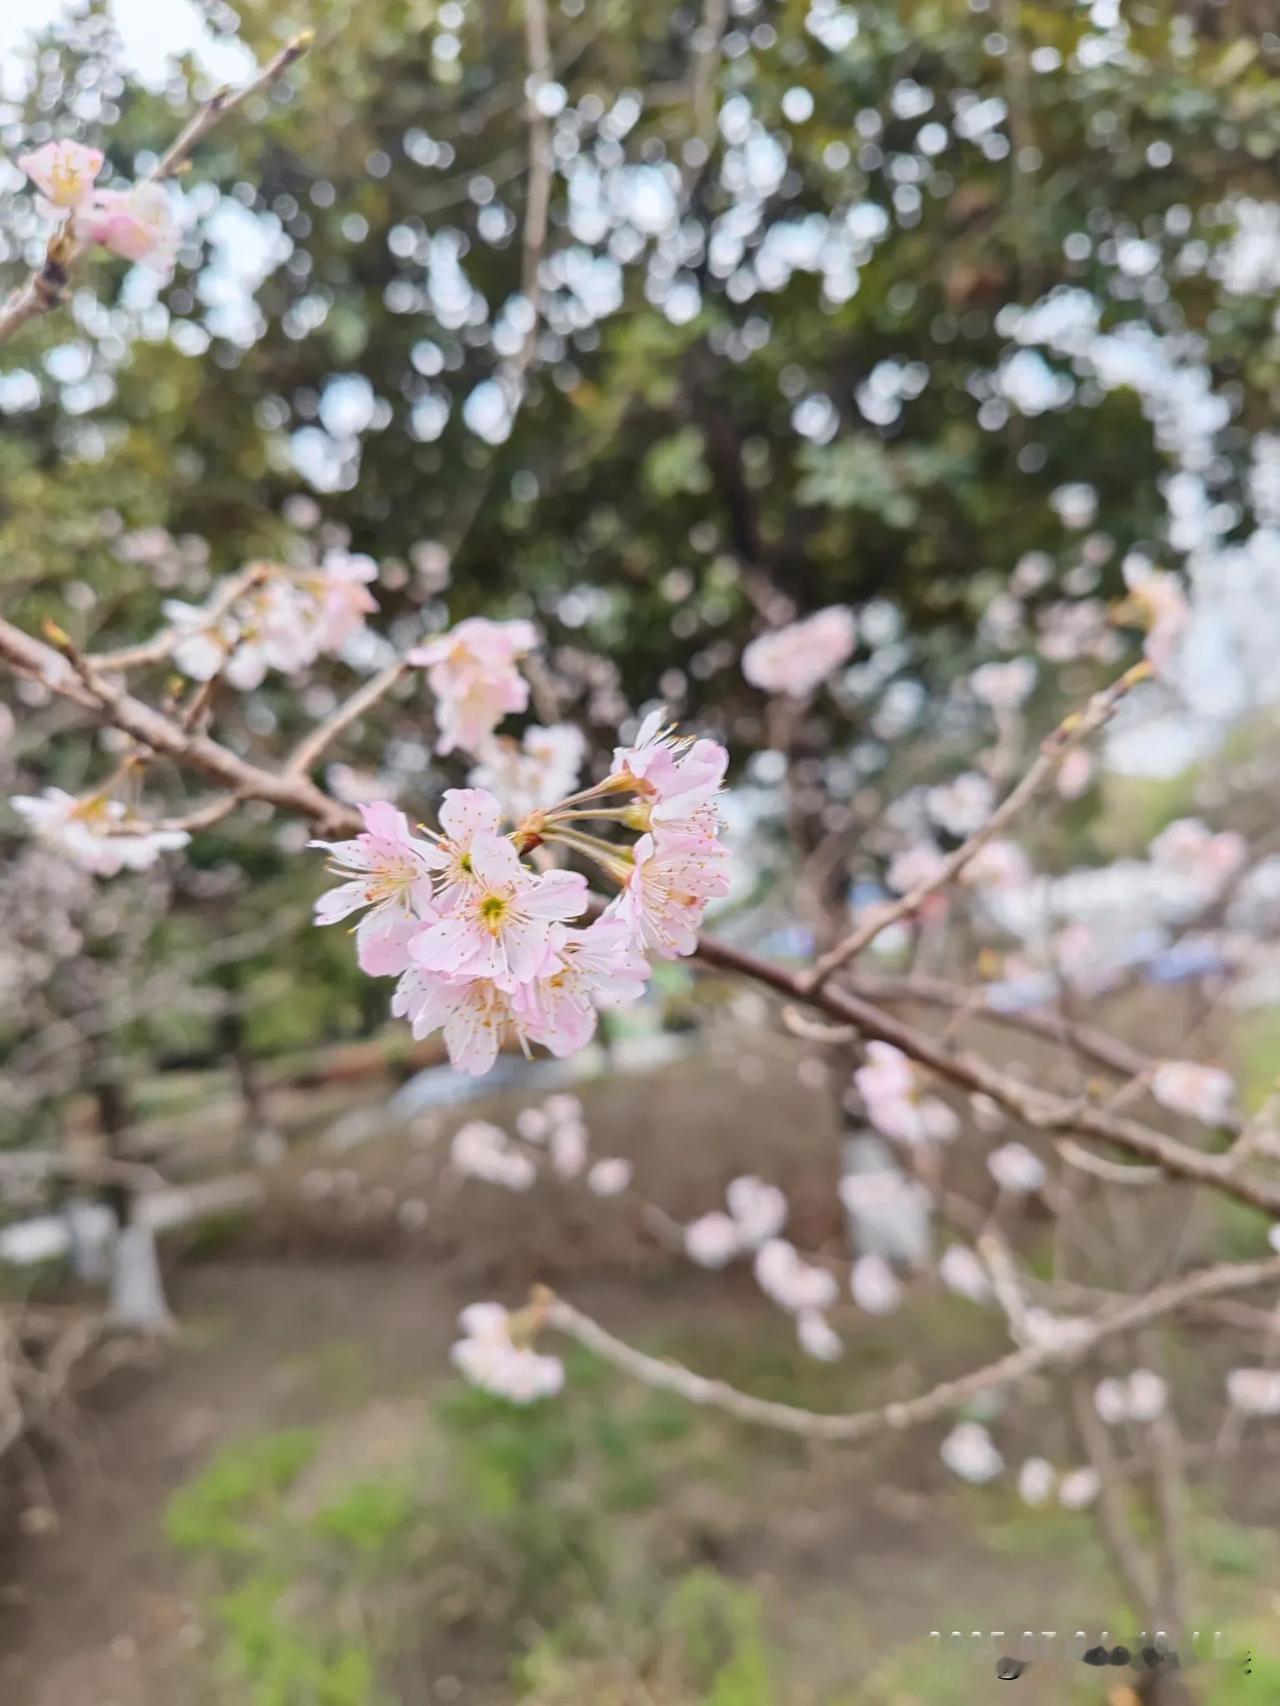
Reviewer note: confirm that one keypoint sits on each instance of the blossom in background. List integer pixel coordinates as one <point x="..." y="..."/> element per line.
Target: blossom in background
<point x="1191" y="848"/>
<point x="997" y="865"/>
<point x="1074" y="774"/>
<point x="472" y="672"/>
<point x="798" y="658"/>
<point x="816" y="1336"/>
<point x="1157" y="603"/>
<point x="969" y="1452"/>
<point x="488" y="1357"/>
<point x="914" y="867"/>
<point x="535" y="772"/>
<point x="1254" y="1391"/>
<point x="1078" y="1489"/>
<point x="64" y="173"/>
<point x="610" y="1177"/>
<point x="895" y="1104"/>
<point x="137" y="224"/>
<point x="874" y="1286"/>
<point x="1055" y="1332"/>
<point x="1004" y="686"/>
<point x="759" y="1210"/>
<point x="1016" y="1169"/>
<point x="963" y="804"/>
<point x="483" y="1151"/>
<point x="1035" y="1481"/>
<point x="95" y="833"/>
<point x="961" y="1270"/>
<point x="1204" y="1093"/>
<point x="387" y="869"/>
<point x="1111" y="1400"/>
<point x="794" y="1284"/>
<point x="713" y="1240"/>
<point x="342" y="597"/>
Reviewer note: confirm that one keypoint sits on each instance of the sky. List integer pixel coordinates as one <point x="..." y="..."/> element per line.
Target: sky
<point x="152" y="31"/>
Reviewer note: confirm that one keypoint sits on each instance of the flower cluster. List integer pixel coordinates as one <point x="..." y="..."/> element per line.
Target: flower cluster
<point x="485" y="946"/>
<point x="1203" y="1093"/>
<point x="554" y="1133"/>
<point x="490" y="1355"/>
<point x="285" y="621"/>
<point x="472" y="672"/>
<point x="136" y="223"/>
<point x="895" y="1102"/>
<point x="797" y="659"/>
<point x="1139" y="1398"/>
<point x="96" y="832"/>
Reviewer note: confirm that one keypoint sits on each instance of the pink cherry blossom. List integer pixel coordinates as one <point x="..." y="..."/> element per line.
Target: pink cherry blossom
<point x="1035" y="1482"/>
<point x="759" y="1209"/>
<point x="798" y="658"/>
<point x="137" y="224"/>
<point x="386" y="869"/>
<point x="678" y="777"/>
<point x="1079" y="1488"/>
<point x="794" y="1284"/>
<point x="472" y="671"/>
<point x="534" y="773"/>
<point x="609" y="1177"/>
<point x="63" y="172"/>
<point x="998" y="866"/>
<point x="500" y="925"/>
<point x="962" y="1271"/>
<point x="342" y="596"/>
<point x="465" y="814"/>
<point x="1074" y="774"/>
<point x="473" y="1013"/>
<point x="1016" y="1169"/>
<point x="914" y="867"/>
<point x="712" y="1241"/>
<point x="600" y="966"/>
<point x="889" y="1088"/>
<point x="483" y="1151"/>
<point x="488" y="1357"/>
<point x="1004" y="686"/>
<point x="963" y="804"/>
<point x="667" y="890"/>
<point x="1111" y="1400"/>
<point x="568" y="1147"/>
<point x="95" y="833"/>
<point x="969" y="1452"/>
<point x="1254" y="1391"/>
<point x="1162" y="609"/>
<point x="1204" y="1093"/>
<point x="874" y="1286"/>
<point x="1193" y="850"/>
<point x="816" y="1336"/>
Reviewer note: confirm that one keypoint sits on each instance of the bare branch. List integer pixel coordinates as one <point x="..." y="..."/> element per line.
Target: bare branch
<point x="308" y="751"/>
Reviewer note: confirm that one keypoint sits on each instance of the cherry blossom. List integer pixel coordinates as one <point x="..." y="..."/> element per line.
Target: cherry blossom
<point x="472" y="672"/>
<point x="1079" y="1488"/>
<point x="582" y="970"/>
<point x="713" y="1240"/>
<point x="1074" y="774"/>
<point x="1035" y="1481"/>
<point x="568" y="1149"/>
<point x="1254" y="1391"/>
<point x="138" y="224"/>
<point x="679" y="778"/>
<point x="1204" y="1093"/>
<point x="1192" y="849"/>
<point x="532" y="774"/>
<point x="483" y="1151"/>
<point x="1159" y="605"/>
<point x="500" y="925"/>
<point x="473" y="1013"/>
<point x="342" y="596"/>
<point x="963" y="804"/>
<point x="609" y="1177"/>
<point x="465" y="813"/>
<point x="1004" y="686"/>
<point x="387" y="869"/>
<point x="1111" y="1400"/>
<point x="961" y="1270"/>
<point x="63" y="172"/>
<point x="969" y="1452"/>
<point x="794" y="1284"/>
<point x="816" y="1336"/>
<point x="798" y="658"/>
<point x="914" y="867"/>
<point x="95" y="832"/>
<point x="999" y="865"/>
<point x="889" y="1087"/>
<point x="1016" y="1169"/>
<point x="488" y="1357"/>
<point x="874" y="1286"/>
<point x="759" y="1209"/>
<point x="1061" y="1333"/>
<point x="1148" y="1395"/>
<point x="672" y="878"/>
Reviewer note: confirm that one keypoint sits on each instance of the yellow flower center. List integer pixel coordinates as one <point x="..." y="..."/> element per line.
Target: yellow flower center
<point x="493" y="909"/>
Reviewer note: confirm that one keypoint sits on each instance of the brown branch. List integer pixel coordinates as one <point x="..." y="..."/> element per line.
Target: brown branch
<point x="1070" y="733"/>
<point x="1217" y="1281"/>
<point x="161" y="645"/>
<point x="309" y="750"/>
<point x="45" y="287"/>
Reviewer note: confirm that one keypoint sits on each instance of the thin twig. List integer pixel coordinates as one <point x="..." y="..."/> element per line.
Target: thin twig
<point x="309" y="750"/>
<point x="161" y="645"/>
<point x="1065" y="738"/>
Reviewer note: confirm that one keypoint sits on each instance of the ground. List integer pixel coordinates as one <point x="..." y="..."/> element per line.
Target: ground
<point x="296" y="1503"/>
